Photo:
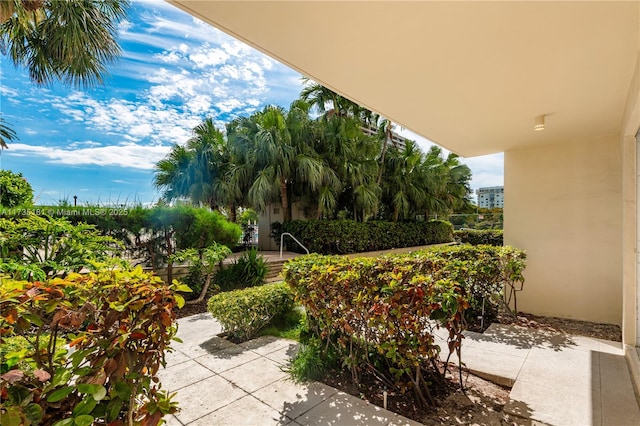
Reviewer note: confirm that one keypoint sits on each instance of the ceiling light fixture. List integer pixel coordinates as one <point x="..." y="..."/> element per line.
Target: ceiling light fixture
<point x="538" y="123"/>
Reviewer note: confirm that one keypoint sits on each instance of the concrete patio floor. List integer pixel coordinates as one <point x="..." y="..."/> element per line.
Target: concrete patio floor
<point x="557" y="379"/>
<point x="221" y="383"/>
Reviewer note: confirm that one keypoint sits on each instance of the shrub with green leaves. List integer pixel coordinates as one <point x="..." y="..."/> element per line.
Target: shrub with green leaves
<point x="243" y="313"/>
<point x="378" y="314"/>
<point x="492" y="237"/>
<point x="204" y="264"/>
<point x="493" y="274"/>
<point x="347" y="236"/>
<point x="34" y="247"/>
<point x="118" y="325"/>
<point x="14" y="190"/>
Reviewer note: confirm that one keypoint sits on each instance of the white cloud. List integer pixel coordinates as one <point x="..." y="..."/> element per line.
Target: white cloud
<point x="488" y="170"/>
<point x="207" y="57"/>
<point x="129" y="155"/>
<point x="8" y="92"/>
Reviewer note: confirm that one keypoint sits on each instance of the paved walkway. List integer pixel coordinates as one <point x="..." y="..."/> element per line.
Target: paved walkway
<point x="557" y="379"/>
<point x="220" y="383"/>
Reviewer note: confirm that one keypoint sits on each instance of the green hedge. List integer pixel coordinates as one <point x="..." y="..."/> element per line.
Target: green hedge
<point x="347" y="236"/>
<point x="374" y="312"/>
<point x="243" y="313"/>
<point x="492" y="237"/>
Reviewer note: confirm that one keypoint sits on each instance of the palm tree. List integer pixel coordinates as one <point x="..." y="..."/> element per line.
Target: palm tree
<point x="276" y="148"/>
<point x="201" y="171"/>
<point x="446" y="183"/>
<point x="7" y="134"/>
<point x="71" y="41"/>
<point x="321" y="97"/>
<point x="172" y="174"/>
<point x="404" y="185"/>
<point x="351" y="154"/>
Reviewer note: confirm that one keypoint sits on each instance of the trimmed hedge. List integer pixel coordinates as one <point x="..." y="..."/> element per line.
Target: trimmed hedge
<point x="378" y="314"/>
<point x="243" y="313"/>
<point x="492" y="237"/>
<point x="347" y="236"/>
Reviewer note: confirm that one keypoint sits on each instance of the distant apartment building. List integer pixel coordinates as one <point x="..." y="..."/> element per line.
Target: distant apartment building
<point x="396" y="140"/>
<point x="491" y="197"/>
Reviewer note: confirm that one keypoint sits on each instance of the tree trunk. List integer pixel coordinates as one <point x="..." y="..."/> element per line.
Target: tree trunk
<point x="284" y="199"/>
<point x="168" y="235"/>
<point x="203" y="293"/>
<point x="233" y="214"/>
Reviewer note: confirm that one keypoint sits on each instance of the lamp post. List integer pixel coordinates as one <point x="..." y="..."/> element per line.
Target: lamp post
<point x="75" y="200"/>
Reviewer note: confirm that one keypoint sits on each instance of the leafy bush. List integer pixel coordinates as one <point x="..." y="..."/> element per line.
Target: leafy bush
<point x="14" y="350"/>
<point x="346" y="236"/>
<point x="14" y="190"/>
<point x="204" y="264"/>
<point x="378" y="314"/>
<point x="485" y="271"/>
<point x="34" y="247"/>
<point x="492" y="237"/>
<point x="149" y="235"/>
<point x="243" y="313"/>
<point x="249" y="270"/>
<point x="118" y="323"/>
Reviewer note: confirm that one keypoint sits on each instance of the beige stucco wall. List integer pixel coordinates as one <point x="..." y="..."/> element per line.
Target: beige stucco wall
<point x="563" y="205"/>
<point x="630" y="177"/>
<point x="273" y="213"/>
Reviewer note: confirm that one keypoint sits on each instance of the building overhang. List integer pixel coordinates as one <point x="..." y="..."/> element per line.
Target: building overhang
<point x="470" y="76"/>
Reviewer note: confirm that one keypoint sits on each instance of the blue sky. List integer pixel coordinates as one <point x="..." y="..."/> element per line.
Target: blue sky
<point x="101" y="144"/>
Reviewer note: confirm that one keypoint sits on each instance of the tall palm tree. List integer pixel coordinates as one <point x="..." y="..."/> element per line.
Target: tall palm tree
<point x="201" y="171"/>
<point x="446" y="181"/>
<point x="67" y="40"/>
<point x="172" y="174"/>
<point x="351" y="154"/>
<point x="404" y="181"/>
<point x="276" y="146"/>
<point x="329" y="103"/>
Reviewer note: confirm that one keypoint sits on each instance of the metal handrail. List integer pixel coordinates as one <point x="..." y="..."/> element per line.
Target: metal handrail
<point x="294" y="239"/>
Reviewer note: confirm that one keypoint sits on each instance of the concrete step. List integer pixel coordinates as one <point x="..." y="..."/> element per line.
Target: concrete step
<point x="274" y="270"/>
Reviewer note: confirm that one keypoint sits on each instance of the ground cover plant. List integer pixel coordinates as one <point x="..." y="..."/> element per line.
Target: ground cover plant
<point x="117" y="325"/>
<point x="376" y="316"/>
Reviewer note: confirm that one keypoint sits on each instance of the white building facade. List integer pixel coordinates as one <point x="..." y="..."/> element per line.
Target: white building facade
<point x="491" y="197"/>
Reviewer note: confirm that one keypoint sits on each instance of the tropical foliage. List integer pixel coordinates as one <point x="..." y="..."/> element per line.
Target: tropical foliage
<point x="96" y="344"/>
<point x="14" y="190"/>
<point x="378" y="315"/>
<point x="70" y="41"/>
<point x="7" y="134"/>
<point x="35" y="247"/>
<point x="342" y="163"/>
